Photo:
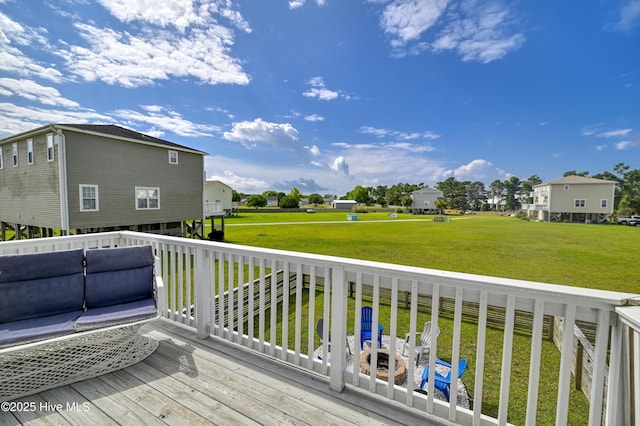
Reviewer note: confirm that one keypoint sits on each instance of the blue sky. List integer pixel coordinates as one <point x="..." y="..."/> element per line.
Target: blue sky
<point x="325" y="95"/>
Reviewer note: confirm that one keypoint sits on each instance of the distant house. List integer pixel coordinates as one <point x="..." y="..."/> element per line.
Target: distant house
<point x="272" y="201"/>
<point x="343" y="204"/>
<point x="572" y="199"/>
<point x="424" y="201"/>
<point x="88" y="178"/>
<point x="218" y="198"/>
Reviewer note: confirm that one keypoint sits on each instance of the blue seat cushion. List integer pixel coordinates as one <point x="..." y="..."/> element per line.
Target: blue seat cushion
<point x="41" y="284"/>
<point x="34" y="329"/>
<point x="118" y="275"/>
<point x="116" y="314"/>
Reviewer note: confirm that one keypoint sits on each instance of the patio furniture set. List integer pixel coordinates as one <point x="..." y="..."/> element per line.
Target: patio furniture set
<point x="426" y="336"/>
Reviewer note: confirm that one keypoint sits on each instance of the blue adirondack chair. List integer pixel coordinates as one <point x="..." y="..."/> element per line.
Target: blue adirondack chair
<point x="366" y="321"/>
<point x="443" y="383"/>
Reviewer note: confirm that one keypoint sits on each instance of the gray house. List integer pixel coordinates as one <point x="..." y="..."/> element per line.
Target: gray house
<point x="424" y="201"/>
<point x="89" y="178"/>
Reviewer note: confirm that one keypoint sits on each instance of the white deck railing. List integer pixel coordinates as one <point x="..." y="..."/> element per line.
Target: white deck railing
<point x="202" y="278"/>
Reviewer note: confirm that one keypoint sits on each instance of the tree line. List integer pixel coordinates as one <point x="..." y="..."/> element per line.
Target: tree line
<point x="510" y="194"/>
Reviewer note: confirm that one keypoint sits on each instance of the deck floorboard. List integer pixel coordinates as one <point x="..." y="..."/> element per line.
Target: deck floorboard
<point x="188" y="381"/>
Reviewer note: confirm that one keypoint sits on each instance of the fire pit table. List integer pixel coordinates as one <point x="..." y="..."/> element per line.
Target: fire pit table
<point x="382" y="367"/>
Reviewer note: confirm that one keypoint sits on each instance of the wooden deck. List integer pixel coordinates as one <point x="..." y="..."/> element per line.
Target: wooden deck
<point x="198" y="382"/>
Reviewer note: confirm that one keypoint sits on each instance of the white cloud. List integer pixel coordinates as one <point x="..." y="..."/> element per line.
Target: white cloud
<point x="13" y="60"/>
<point x="476" y="30"/>
<point x="601" y="147"/>
<point x="252" y="133"/>
<point x="398" y="135"/>
<point x="340" y="166"/>
<point x="16" y="119"/>
<point x="180" y="14"/>
<point x="33" y="91"/>
<point x="629" y="16"/>
<point x="314" y="117"/>
<point x="294" y="4"/>
<point x="622" y="145"/>
<point x="135" y="60"/>
<point x="319" y="90"/>
<point x="241" y="184"/>
<point x="166" y="119"/>
<point x="406" y="20"/>
<point x="614" y="133"/>
<point x="474" y="170"/>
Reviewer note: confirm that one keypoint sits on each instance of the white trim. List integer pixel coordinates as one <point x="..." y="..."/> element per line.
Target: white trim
<point x="148" y="198"/>
<point x="171" y="152"/>
<point x="82" y="198"/>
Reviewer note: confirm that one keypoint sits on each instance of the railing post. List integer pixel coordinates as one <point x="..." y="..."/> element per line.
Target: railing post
<point x="203" y="292"/>
<point x="339" y="308"/>
<point x="616" y="380"/>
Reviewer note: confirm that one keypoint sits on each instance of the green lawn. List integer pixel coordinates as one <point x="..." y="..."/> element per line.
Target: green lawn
<point x="592" y="256"/>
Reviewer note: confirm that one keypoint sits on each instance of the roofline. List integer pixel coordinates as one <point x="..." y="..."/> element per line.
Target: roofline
<point x="28" y="133"/>
<point x="54" y="127"/>
<point x="90" y="132"/>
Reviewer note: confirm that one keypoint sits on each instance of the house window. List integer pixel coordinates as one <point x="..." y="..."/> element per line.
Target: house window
<point x="566" y="186"/>
<point x="1" y="162"/>
<point x="147" y="198"/>
<point x="50" y="147"/>
<point x="604" y="203"/>
<point x="173" y="157"/>
<point x="30" y="151"/>
<point x="89" y="198"/>
<point x="580" y="203"/>
<point x="14" y="151"/>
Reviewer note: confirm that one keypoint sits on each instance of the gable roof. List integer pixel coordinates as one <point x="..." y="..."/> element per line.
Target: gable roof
<point x="573" y="179"/>
<point x="109" y="130"/>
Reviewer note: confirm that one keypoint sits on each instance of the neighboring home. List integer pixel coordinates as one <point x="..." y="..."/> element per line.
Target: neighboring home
<point x="424" y="201"/>
<point x="91" y="178"/>
<point x="218" y="198"/>
<point x="343" y="204"/>
<point x="572" y="199"/>
<point x="272" y="201"/>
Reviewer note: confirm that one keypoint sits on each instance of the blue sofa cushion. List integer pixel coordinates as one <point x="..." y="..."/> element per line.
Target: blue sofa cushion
<point x="40" y="284"/>
<point x="116" y="276"/>
<point x="116" y="314"/>
<point x="34" y="329"/>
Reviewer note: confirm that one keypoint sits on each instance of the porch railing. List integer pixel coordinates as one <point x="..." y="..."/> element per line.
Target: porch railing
<point x="202" y="280"/>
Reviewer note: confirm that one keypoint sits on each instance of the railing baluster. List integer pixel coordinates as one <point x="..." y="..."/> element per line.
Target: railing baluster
<point x="357" y="328"/>
<point x="392" y="336"/>
<point x="240" y="292"/>
<point x="261" y="306"/>
<point x="221" y="291"/>
<point x="231" y="285"/>
<point x="599" y="368"/>
<point x="433" y="355"/>
<point x="298" y="331"/>
<point x="412" y="345"/>
<point x="565" y="364"/>
<point x="480" y="352"/>
<point x="273" y="308"/>
<point x="455" y="354"/>
<point x="285" y="310"/>
<point x="507" y="351"/>
<point x="311" y="318"/>
<point x="534" y="364"/>
<point x="252" y="309"/>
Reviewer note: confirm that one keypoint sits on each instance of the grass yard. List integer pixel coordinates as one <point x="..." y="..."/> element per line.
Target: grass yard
<point x="592" y="256"/>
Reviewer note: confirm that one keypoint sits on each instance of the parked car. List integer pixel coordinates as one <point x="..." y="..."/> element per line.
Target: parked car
<point x="469" y="212"/>
<point x="632" y="220"/>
